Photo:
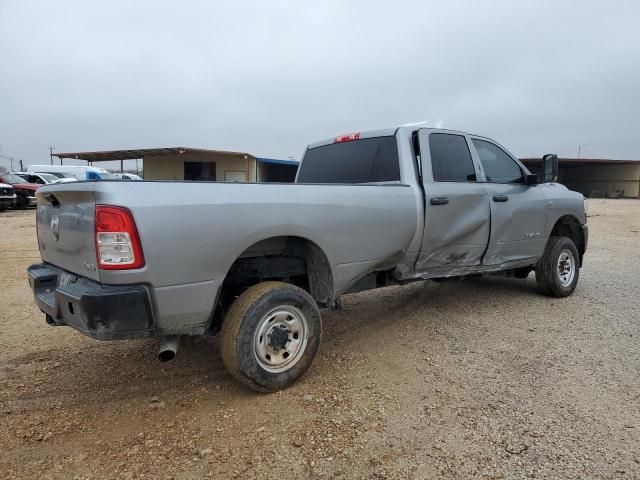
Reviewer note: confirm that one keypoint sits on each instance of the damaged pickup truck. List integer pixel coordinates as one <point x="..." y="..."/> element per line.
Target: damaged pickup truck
<point x="256" y="262"/>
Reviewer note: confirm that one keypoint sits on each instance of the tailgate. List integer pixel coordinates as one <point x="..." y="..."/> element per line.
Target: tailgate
<point x="64" y="222"/>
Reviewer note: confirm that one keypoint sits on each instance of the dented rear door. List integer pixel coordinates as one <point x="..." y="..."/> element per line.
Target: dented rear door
<point x="457" y="211"/>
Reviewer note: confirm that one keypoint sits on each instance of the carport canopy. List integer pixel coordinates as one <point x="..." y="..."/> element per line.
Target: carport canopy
<point x="136" y="153"/>
<point x="141" y="153"/>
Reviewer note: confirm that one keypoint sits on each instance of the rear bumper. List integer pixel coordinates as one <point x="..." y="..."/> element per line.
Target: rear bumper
<point x="103" y="312"/>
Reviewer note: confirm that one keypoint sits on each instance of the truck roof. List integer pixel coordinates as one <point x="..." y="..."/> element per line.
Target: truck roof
<point x="387" y="132"/>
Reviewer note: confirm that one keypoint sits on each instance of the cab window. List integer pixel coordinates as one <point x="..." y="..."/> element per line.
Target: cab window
<point x="360" y="161"/>
<point x="451" y="158"/>
<point x="498" y="166"/>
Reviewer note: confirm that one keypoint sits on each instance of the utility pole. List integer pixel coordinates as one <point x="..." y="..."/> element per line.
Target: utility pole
<point x="580" y="147"/>
<point x="51" y="154"/>
<point x="21" y="166"/>
<point x="7" y="158"/>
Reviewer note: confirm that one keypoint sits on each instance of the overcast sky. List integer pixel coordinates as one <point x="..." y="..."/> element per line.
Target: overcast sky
<point x="270" y="77"/>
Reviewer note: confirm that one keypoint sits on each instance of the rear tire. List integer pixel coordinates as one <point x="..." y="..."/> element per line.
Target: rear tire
<point x="558" y="269"/>
<point x="270" y="336"/>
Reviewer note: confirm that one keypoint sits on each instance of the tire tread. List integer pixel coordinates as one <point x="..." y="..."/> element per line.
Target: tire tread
<point x="231" y="328"/>
<point x="545" y="269"/>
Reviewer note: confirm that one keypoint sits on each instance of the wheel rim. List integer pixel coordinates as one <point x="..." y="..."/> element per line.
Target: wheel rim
<point x="566" y="268"/>
<point x="280" y="338"/>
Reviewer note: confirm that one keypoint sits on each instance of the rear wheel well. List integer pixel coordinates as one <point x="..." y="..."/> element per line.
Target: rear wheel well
<point x="569" y="226"/>
<point x="288" y="259"/>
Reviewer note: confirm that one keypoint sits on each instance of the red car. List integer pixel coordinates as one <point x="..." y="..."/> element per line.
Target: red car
<point x="25" y="191"/>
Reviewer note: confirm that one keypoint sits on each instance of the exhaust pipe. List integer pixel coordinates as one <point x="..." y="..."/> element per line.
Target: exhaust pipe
<point x="168" y="348"/>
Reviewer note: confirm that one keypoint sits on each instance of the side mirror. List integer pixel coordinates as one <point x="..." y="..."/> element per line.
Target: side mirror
<point x="549" y="168"/>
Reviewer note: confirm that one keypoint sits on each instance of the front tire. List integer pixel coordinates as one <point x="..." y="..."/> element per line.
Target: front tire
<point x="271" y="335"/>
<point x="558" y="269"/>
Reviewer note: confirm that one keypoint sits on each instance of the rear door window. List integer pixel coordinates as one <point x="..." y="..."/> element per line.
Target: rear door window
<point x="359" y="161"/>
<point x="450" y="158"/>
<point x="497" y="165"/>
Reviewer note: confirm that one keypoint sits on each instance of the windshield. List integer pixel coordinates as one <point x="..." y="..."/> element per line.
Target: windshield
<point x="48" y="177"/>
<point x="128" y="176"/>
<point x="107" y="176"/>
<point x="11" y="178"/>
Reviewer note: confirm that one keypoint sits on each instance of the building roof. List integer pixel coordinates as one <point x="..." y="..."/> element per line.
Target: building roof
<point x="582" y="162"/>
<point x="107" y="155"/>
<point x="278" y="162"/>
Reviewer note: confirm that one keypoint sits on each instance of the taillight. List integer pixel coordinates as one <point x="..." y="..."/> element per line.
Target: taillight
<point x="350" y="137"/>
<point x="117" y="241"/>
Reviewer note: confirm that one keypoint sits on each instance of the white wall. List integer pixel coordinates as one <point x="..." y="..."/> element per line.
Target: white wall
<point x="171" y="167"/>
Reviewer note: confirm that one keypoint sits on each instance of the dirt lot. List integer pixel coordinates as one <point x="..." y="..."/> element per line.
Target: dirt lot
<point x="473" y="379"/>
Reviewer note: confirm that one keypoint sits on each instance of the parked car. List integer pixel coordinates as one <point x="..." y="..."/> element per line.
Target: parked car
<point x="7" y="196"/>
<point x="61" y="175"/>
<point x="127" y="176"/>
<point x="77" y="171"/>
<point x="256" y="261"/>
<point x="25" y="191"/>
<point x="42" y="178"/>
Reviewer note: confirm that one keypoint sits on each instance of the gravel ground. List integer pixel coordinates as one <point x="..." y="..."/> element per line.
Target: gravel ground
<point x="473" y="379"/>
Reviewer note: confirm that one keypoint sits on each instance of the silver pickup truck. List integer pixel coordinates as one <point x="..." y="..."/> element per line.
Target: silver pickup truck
<point x="255" y="262"/>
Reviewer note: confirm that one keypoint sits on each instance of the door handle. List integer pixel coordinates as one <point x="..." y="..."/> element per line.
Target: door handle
<point x="439" y="200"/>
<point x="500" y="198"/>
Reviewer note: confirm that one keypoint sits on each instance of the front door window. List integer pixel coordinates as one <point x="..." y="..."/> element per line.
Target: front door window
<point x="497" y="165"/>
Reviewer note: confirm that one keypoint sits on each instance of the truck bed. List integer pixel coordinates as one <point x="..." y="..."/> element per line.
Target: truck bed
<point x="191" y="232"/>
